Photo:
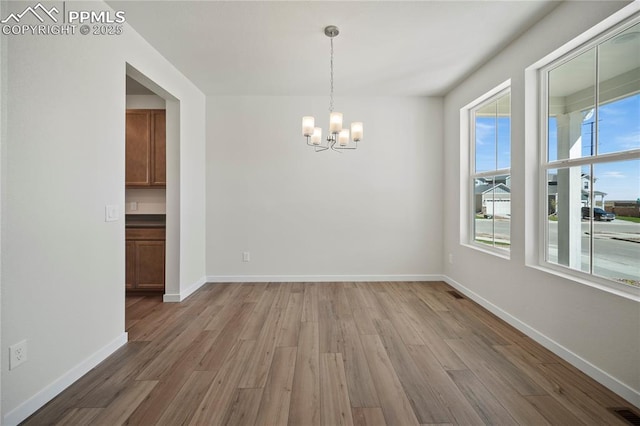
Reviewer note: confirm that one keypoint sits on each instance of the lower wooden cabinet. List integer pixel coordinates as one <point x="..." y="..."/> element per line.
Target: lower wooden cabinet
<point x="145" y="258"/>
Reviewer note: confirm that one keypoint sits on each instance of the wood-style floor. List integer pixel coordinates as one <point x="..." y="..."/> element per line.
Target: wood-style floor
<point x="327" y="354"/>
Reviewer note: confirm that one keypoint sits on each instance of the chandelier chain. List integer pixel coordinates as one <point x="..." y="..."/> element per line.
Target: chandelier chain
<point x="331" y="96"/>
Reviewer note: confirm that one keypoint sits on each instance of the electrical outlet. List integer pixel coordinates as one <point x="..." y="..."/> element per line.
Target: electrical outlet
<point x="17" y="354"/>
<point x="133" y="206"/>
<point x="451" y="258"/>
<point x="246" y="256"/>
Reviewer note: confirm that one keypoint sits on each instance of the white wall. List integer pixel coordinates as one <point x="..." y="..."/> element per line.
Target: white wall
<point x="145" y="102"/>
<point x="62" y="265"/>
<point x="373" y="213"/>
<point x="598" y="331"/>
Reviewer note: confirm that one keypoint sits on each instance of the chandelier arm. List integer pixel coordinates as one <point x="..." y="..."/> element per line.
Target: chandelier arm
<point x="349" y="147"/>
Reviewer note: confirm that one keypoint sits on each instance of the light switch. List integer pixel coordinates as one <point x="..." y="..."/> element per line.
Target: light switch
<point x="111" y="213"/>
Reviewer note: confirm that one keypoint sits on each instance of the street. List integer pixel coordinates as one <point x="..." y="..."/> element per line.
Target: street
<point x="615" y="254"/>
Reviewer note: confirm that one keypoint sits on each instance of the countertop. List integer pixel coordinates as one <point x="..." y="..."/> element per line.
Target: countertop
<point x="145" y="221"/>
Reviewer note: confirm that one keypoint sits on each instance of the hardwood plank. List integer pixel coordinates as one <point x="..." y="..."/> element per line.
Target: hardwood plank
<point x="581" y="396"/>
<point x="258" y="317"/>
<point x="447" y="358"/>
<point x="426" y="405"/>
<point x="57" y="408"/>
<point x="360" y="311"/>
<point x="227" y="338"/>
<point x="485" y="404"/>
<point x="362" y="390"/>
<point x="335" y="408"/>
<point x="244" y="407"/>
<point x="305" y="397"/>
<point x="394" y="403"/>
<point x="329" y="334"/>
<point x="368" y="416"/>
<point x="215" y="403"/>
<point x="490" y="376"/>
<point x="121" y="408"/>
<point x="161" y="365"/>
<point x="80" y="417"/>
<point x="573" y="400"/>
<point x="429" y="297"/>
<point x="188" y="398"/>
<point x="257" y="368"/>
<point x="274" y="405"/>
<point x="310" y="303"/>
<point x="553" y="411"/>
<point x="449" y="395"/>
<point x="288" y="335"/>
<point x="150" y="410"/>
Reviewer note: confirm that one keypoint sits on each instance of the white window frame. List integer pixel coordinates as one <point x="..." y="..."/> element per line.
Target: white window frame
<point x="536" y="131"/>
<point x="467" y="127"/>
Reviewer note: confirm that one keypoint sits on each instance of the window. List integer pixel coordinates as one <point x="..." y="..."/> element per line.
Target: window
<point x="490" y="172"/>
<point x="591" y="164"/>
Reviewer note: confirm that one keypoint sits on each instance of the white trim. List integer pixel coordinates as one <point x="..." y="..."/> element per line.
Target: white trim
<point x="37" y="401"/>
<point x="593" y="371"/>
<point x="319" y="278"/>
<point x="174" y="298"/>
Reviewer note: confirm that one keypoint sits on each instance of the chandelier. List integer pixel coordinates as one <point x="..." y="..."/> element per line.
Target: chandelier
<point x="338" y="137"/>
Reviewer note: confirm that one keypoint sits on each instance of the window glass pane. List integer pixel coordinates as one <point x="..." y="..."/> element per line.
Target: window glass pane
<point x="619" y="107"/>
<point x="616" y="221"/>
<point x="492" y="220"/>
<point x="486" y="134"/>
<point x="568" y="236"/>
<point x="571" y="98"/>
<point x="482" y="223"/>
<point x="504" y="132"/>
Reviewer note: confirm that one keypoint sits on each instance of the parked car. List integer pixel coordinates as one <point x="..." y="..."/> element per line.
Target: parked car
<point x="598" y="214"/>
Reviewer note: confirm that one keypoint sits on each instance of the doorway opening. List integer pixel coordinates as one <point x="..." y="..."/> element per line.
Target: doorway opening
<point x="151" y="194"/>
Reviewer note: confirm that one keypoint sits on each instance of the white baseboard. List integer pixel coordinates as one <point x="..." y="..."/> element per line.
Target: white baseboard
<point x="174" y="298"/>
<point x="593" y="371"/>
<point x="318" y="278"/>
<point x="34" y="403"/>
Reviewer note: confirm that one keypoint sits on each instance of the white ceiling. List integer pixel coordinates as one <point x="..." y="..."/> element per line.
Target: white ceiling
<point x="279" y="48"/>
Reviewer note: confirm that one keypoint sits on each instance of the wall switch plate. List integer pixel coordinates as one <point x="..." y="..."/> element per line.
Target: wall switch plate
<point x="110" y="213"/>
<point x="133" y="206"/>
<point x="17" y="354"/>
<point x="451" y="258"/>
<point x="246" y="256"/>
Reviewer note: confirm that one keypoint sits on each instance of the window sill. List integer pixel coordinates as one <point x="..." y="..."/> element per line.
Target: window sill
<point x="612" y="287"/>
<point x="498" y="252"/>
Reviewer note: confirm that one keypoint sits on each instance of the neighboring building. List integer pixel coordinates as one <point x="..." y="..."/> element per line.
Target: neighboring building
<point x="493" y="199"/>
<point x="552" y="193"/>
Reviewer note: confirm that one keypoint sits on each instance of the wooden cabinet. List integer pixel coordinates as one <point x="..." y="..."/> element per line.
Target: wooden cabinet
<point x="145" y="258"/>
<point x="146" y="148"/>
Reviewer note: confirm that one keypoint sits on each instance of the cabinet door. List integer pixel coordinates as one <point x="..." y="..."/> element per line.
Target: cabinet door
<point x="130" y="279"/>
<point x="150" y="265"/>
<point x="159" y="149"/>
<point x="138" y="148"/>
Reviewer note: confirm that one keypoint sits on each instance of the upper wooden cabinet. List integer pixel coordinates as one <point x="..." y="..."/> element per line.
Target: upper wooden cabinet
<point x="146" y="148"/>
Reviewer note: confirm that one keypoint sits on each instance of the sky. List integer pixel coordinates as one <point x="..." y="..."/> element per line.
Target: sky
<point x="619" y="130"/>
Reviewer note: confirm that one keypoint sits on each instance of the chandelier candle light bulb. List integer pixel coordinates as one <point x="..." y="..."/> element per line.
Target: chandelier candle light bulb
<point x="316" y="137"/>
<point x="335" y="122"/>
<point x="338" y="138"/>
<point x="307" y="126"/>
<point x="343" y="137"/>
